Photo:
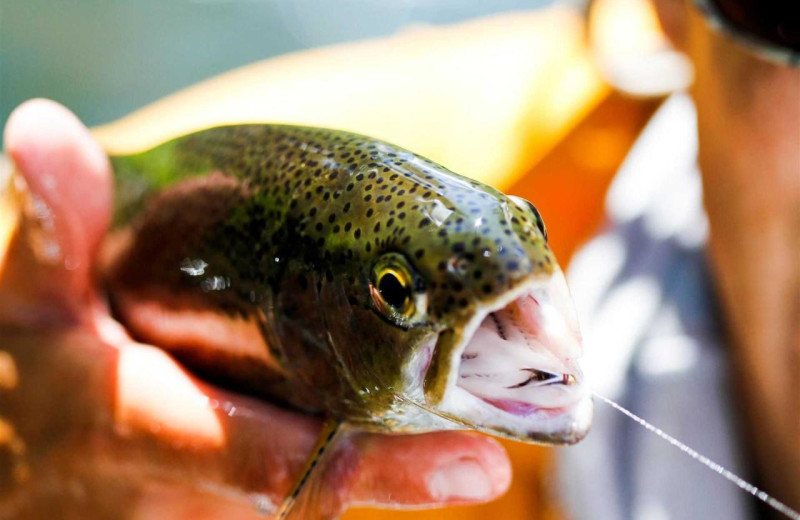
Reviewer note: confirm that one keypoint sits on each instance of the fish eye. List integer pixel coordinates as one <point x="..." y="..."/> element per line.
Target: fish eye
<point x="394" y="288"/>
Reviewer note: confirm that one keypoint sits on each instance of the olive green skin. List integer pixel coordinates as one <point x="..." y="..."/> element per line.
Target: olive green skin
<point x="293" y="221"/>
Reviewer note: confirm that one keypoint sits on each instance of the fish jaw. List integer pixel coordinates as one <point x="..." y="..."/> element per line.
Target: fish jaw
<point x="514" y="369"/>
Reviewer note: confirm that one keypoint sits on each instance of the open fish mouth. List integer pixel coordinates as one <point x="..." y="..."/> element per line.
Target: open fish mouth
<point x="516" y="370"/>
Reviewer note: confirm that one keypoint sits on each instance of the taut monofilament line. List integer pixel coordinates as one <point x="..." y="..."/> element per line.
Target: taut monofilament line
<point x="729" y="475"/>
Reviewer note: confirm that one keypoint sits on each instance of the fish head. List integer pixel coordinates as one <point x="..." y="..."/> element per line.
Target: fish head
<point x="497" y="343"/>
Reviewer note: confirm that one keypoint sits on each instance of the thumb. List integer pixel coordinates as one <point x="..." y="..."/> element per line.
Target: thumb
<point x="65" y="183"/>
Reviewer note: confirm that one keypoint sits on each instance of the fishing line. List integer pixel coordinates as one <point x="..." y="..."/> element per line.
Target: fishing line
<point x="442" y="415"/>
<point x="737" y="480"/>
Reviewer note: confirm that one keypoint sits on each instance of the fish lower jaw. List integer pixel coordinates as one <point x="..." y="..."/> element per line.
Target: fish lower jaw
<point x="523" y="409"/>
<point x="517" y="371"/>
<point x="519" y="420"/>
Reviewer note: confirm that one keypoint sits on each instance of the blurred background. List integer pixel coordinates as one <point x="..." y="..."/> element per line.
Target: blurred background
<point x="104" y="59"/>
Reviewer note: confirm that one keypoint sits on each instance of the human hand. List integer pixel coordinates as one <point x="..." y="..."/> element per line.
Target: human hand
<point x="95" y="425"/>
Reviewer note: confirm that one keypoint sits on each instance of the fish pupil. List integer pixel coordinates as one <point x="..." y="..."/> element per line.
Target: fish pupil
<point x="393" y="291"/>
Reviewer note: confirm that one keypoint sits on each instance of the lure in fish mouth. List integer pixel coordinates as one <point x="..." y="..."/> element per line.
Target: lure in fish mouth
<point x="506" y="360"/>
<point x="383" y="289"/>
<point x="518" y="372"/>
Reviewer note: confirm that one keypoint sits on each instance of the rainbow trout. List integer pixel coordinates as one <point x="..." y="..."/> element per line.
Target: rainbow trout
<point x="339" y="274"/>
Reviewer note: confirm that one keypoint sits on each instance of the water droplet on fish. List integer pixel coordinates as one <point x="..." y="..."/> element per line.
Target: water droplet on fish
<point x="42" y="212"/>
<point x="702" y="459"/>
<point x="262" y="504"/>
<point x="196" y="267"/>
<point x="215" y="283"/>
<point x="48" y="250"/>
<point x="229" y="409"/>
<point x="71" y="263"/>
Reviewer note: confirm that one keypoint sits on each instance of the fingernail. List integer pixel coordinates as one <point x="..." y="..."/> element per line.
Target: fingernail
<point x="461" y="479"/>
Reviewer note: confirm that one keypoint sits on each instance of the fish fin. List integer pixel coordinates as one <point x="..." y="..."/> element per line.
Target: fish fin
<point x="300" y="502"/>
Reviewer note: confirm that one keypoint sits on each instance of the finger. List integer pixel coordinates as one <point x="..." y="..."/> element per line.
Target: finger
<point x="157" y="501"/>
<point x="252" y="446"/>
<point x="204" y="435"/>
<point x="441" y="468"/>
<point x="68" y="209"/>
<point x="165" y="423"/>
<point x="62" y="163"/>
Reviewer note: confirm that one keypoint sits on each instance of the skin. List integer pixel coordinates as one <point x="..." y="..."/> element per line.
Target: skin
<point x="120" y="427"/>
<point x="748" y="114"/>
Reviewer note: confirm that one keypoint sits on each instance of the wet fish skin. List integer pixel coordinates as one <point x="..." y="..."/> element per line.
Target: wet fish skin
<point x="283" y="226"/>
